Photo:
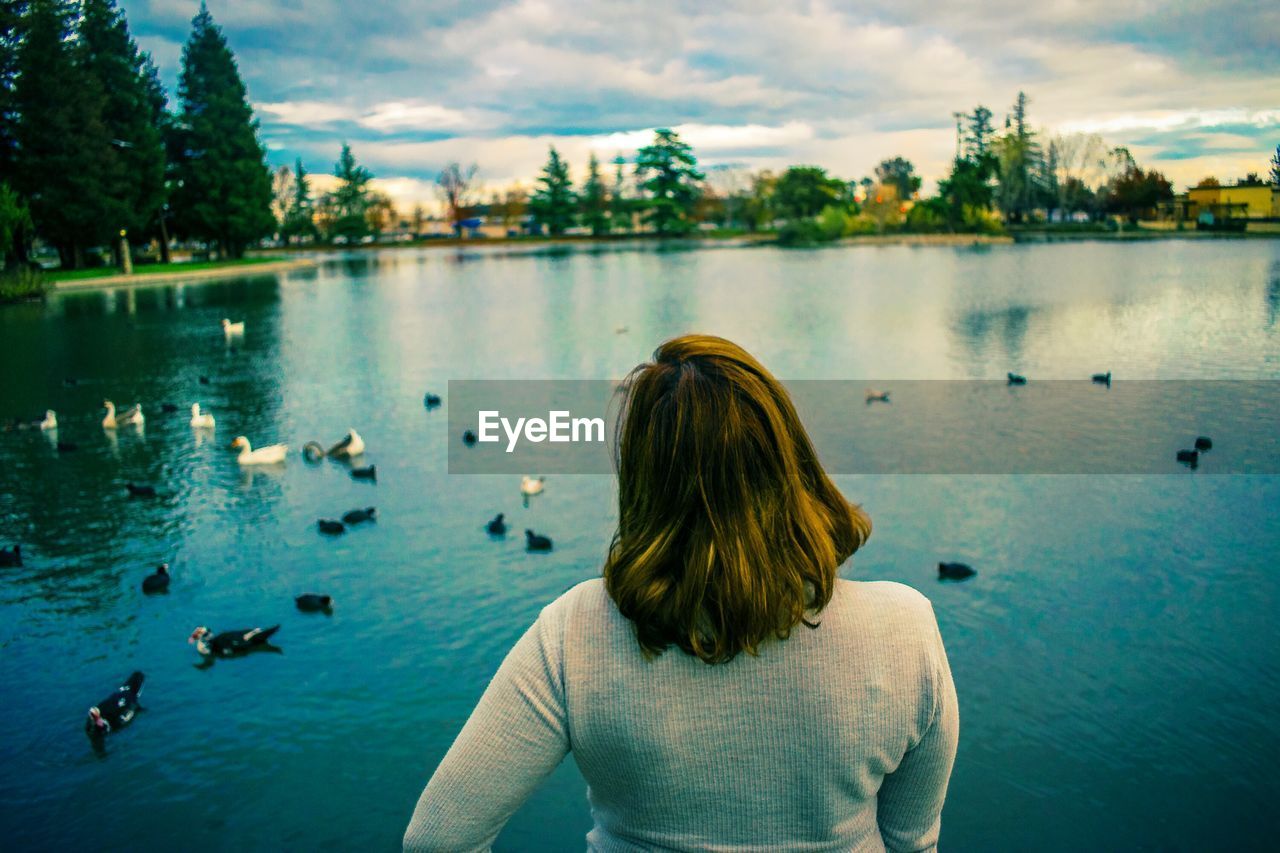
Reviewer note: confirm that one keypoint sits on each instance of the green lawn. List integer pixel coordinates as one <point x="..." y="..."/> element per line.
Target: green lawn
<point x="153" y="269"/>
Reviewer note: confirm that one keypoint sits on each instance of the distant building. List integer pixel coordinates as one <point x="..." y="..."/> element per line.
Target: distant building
<point x="1216" y="207"/>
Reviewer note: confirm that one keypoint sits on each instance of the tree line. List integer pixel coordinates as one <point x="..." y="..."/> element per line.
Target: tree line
<point x="91" y="154"/>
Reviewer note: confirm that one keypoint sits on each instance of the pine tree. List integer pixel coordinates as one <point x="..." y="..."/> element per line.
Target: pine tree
<point x="64" y="160"/>
<point x="224" y="187"/>
<point x="10" y="39"/>
<point x="553" y="202"/>
<point x="297" y="220"/>
<point x="595" y="200"/>
<point x="130" y="114"/>
<point x="1275" y="167"/>
<point x="350" y="200"/>
<point x="668" y="171"/>
<point x="619" y="204"/>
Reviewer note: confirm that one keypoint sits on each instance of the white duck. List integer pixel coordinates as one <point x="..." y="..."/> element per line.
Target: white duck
<point x="351" y="446"/>
<point x="50" y="420"/>
<point x="272" y="455"/>
<point x="203" y="421"/>
<point x="229" y="328"/>
<point x="132" y="415"/>
<point x="530" y="486"/>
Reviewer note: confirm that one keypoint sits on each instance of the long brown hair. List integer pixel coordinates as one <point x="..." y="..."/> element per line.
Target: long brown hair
<point x="728" y="528"/>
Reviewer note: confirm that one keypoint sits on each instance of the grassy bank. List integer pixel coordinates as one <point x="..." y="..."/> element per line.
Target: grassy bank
<point x="57" y="276"/>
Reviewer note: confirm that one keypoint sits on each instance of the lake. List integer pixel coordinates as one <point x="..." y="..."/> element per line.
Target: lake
<point x="1117" y="657"/>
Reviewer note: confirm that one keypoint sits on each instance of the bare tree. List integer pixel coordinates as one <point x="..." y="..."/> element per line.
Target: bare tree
<point x="282" y="193"/>
<point x="454" y="186"/>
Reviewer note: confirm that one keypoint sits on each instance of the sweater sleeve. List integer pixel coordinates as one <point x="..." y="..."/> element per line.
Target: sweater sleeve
<point x="909" y="805"/>
<point x="514" y="738"/>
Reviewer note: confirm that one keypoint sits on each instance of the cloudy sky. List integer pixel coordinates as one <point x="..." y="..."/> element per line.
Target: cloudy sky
<point x="1193" y="88"/>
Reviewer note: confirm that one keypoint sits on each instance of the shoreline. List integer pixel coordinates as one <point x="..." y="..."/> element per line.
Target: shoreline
<point x="106" y="282"/>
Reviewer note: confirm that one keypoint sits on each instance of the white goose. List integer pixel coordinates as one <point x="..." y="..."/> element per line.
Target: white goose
<point x="229" y="328"/>
<point x="530" y="486"/>
<point x="132" y="415"/>
<point x="50" y="420"/>
<point x="272" y="455"/>
<point x="202" y="421"/>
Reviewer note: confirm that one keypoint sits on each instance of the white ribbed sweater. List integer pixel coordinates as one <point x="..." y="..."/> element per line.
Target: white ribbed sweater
<point x="838" y="738"/>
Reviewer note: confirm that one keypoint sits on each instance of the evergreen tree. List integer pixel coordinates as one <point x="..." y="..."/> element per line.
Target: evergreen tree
<point x="977" y="139"/>
<point x="553" y="202"/>
<point x="297" y="220"/>
<point x="619" y="204"/>
<point x="668" y="172"/>
<point x="1019" y="156"/>
<point x="1275" y="167"/>
<point x="900" y="174"/>
<point x="64" y="160"/>
<point x="224" y="187"/>
<point x="130" y="114"/>
<point x="10" y="39"/>
<point x="351" y="199"/>
<point x="594" y="200"/>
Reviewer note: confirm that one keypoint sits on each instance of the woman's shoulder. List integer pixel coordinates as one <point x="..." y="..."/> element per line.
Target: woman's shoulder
<point x="585" y="597"/>
<point x="882" y="601"/>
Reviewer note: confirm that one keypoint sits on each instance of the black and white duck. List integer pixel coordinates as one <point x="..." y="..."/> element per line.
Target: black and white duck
<point x="158" y="581"/>
<point x="535" y="542"/>
<point x="497" y="526"/>
<point x="230" y="643"/>
<point x="311" y="603"/>
<point x="117" y="710"/>
<point x="356" y="516"/>
<point x="955" y="571"/>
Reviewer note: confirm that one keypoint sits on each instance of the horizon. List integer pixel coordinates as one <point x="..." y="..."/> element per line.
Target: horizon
<point x="1197" y="96"/>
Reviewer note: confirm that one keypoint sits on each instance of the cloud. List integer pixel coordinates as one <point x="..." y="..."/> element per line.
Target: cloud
<point x="413" y="84"/>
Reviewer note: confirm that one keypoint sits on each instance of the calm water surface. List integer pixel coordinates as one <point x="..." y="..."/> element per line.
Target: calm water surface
<point x="1117" y="658"/>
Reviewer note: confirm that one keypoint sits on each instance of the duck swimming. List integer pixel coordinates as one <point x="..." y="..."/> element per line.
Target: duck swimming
<point x="331" y="526"/>
<point x="431" y="400"/>
<point x="874" y="396"/>
<point x="955" y="571"/>
<point x="11" y="557"/>
<point x="131" y="415"/>
<point x="50" y="420"/>
<point x="496" y="525"/>
<point x="1190" y="458"/>
<point x="117" y="710"/>
<point x="201" y="421"/>
<point x="1204" y="443"/>
<point x="157" y="582"/>
<point x="229" y="328"/>
<point x="468" y="438"/>
<point x="1015" y="379"/>
<point x="530" y="486"/>
<point x="138" y="491"/>
<point x="352" y="445"/>
<point x="230" y="643"/>
<point x="356" y="516"/>
<point x="369" y="473"/>
<point x="534" y="542"/>
<point x="1102" y="378"/>
<point x="311" y="603"/>
<point x="272" y="455"/>
<point x="313" y="451"/>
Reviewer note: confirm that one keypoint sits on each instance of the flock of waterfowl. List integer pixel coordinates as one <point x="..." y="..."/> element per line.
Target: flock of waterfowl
<point x="119" y="709"/>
